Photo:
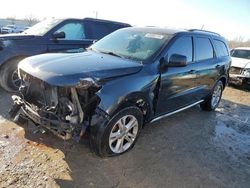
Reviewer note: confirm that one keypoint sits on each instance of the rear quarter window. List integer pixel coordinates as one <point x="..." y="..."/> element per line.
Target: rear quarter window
<point x="98" y="30"/>
<point x="221" y="48"/>
<point x="204" y="49"/>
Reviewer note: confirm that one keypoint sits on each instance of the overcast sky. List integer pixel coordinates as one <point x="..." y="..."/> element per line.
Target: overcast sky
<point x="231" y="18"/>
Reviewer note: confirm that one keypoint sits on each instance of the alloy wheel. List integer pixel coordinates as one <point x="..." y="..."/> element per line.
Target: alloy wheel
<point x="123" y="134"/>
<point x="15" y="79"/>
<point x="216" y="95"/>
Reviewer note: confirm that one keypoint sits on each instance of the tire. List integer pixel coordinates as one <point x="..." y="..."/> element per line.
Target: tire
<point x="117" y="133"/>
<point x="8" y="76"/>
<point x="246" y="84"/>
<point x="213" y="100"/>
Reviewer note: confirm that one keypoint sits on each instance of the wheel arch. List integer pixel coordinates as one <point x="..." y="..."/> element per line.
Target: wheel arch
<point x="137" y="99"/>
<point x="12" y="58"/>
<point x="224" y="80"/>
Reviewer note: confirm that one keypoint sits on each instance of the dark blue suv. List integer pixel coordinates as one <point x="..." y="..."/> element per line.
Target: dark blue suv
<point x="131" y="77"/>
<point x="56" y="35"/>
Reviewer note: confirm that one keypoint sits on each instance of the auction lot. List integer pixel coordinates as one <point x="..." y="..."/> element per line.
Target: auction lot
<point x="190" y="149"/>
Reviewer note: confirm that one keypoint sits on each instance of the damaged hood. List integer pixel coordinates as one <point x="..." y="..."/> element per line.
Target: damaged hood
<point x="240" y="62"/>
<point x="61" y="69"/>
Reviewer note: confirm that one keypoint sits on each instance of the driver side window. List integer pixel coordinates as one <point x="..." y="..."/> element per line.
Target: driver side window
<point x="73" y="31"/>
<point x="182" y="46"/>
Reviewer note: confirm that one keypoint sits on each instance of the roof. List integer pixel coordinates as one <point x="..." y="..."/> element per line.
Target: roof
<point x="170" y="31"/>
<point x="157" y="30"/>
<point x="110" y="21"/>
<point x="242" y="48"/>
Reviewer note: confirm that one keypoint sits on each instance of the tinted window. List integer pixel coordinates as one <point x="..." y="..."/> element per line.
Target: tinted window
<point x="221" y="49"/>
<point x="182" y="46"/>
<point x="241" y="54"/>
<point x="73" y="31"/>
<point x="204" y="49"/>
<point x="99" y="30"/>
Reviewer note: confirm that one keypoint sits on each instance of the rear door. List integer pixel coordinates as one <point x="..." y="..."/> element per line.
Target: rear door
<point x="97" y="29"/>
<point x="207" y="65"/>
<point x="178" y="84"/>
<point x="75" y="38"/>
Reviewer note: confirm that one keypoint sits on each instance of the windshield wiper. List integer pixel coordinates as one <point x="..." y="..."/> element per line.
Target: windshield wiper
<point x="112" y="53"/>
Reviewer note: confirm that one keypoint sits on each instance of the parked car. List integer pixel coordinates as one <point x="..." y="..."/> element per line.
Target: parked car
<point x="130" y="77"/>
<point x="240" y="68"/>
<point x="55" y="35"/>
<point x="8" y="29"/>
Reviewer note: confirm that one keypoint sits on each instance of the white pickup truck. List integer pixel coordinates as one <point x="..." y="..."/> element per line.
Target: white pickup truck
<point x="240" y="68"/>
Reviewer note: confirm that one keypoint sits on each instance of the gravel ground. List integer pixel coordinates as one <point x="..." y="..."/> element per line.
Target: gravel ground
<point x="190" y="149"/>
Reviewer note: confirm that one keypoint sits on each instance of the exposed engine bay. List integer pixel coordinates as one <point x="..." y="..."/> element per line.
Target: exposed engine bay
<point x="66" y="111"/>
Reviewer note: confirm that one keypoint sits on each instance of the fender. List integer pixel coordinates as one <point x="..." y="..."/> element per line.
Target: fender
<point x="127" y="94"/>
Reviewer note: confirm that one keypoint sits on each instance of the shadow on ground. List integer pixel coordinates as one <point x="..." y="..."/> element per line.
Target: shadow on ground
<point x="190" y="149"/>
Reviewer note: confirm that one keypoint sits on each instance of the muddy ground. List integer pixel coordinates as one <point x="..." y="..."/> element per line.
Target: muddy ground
<point x="189" y="149"/>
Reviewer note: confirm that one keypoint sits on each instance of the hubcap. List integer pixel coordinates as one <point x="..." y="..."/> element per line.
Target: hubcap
<point x="123" y="134"/>
<point x="15" y="79"/>
<point x="216" y="95"/>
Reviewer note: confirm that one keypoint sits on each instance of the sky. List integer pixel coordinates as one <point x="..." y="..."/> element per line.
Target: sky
<point x="230" y="18"/>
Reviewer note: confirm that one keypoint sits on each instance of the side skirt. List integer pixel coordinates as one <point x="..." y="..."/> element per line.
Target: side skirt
<point x="174" y="112"/>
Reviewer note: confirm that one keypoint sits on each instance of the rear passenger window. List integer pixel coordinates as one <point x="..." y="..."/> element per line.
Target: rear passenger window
<point x="99" y="30"/>
<point x="204" y="49"/>
<point x="182" y="46"/>
<point x="221" y="49"/>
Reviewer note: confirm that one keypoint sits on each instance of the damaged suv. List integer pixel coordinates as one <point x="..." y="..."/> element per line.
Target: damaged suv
<point x="240" y="68"/>
<point x="130" y="77"/>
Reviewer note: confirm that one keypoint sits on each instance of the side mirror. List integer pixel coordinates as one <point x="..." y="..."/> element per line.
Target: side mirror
<point x="94" y="41"/>
<point x="177" y="60"/>
<point x="58" y="35"/>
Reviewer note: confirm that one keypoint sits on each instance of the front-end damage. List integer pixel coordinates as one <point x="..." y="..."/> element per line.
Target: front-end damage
<point x="66" y="111"/>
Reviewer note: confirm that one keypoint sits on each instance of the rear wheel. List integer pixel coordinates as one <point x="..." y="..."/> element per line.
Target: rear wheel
<point x="246" y="83"/>
<point x="9" y="79"/>
<point x="213" y="100"/>
<point x="121" y="132"/>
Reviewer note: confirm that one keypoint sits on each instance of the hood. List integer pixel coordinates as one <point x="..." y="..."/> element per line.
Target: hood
<point x="67" y="69"/>
<point x="16" y="36"/>
<point x="240" y="62"/>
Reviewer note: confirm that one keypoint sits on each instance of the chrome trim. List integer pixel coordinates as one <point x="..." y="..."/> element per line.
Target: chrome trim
<point x="174" y="112"/>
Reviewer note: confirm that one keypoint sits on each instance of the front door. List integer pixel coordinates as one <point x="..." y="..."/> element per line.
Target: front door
<point x="178" y="85"/>
<point x="74" y="40"/>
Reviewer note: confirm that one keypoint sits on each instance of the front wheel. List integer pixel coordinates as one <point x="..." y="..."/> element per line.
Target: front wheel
<point x="121" y="132"/>
<point x="213" y="100"/>
<point x="9" y="79"/>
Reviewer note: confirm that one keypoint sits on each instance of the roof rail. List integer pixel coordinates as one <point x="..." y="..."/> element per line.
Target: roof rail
<point x="200" y="30"/>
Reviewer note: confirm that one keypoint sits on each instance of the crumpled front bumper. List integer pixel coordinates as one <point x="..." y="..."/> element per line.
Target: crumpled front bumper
<point x="238" y="79"/>
<point x="64" y="130"/>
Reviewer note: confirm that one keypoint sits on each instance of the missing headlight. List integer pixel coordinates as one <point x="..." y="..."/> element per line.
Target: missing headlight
<point x="87" y="83"/>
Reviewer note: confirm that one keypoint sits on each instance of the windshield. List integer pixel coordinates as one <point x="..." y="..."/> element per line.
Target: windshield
<point x="42" y="28"/>
<point x="241" y="54"/>
<point x="131" y="43"/>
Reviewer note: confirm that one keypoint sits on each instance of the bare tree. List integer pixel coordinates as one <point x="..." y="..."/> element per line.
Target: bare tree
<point x="31" y="20"/>
<point x="238" y="42"/>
